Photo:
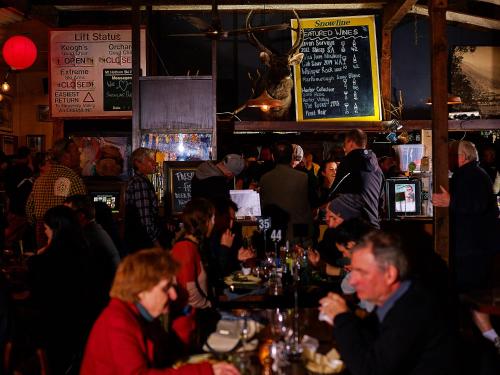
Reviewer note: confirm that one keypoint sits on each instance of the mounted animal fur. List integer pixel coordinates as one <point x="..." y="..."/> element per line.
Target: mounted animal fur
<point x="276" y="83"/>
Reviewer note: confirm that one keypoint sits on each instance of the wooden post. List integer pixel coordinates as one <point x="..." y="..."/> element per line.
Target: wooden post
<point x="57" y="130"/>
<point x="439" y="91"/>
<point x="394" y="11"/>
<point x="136" y="72"/>
<point x="214" y="98"/>
<point x="385" y="74"/>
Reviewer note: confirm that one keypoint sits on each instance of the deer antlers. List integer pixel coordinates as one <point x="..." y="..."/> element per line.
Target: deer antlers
<point x="257" y="43"/>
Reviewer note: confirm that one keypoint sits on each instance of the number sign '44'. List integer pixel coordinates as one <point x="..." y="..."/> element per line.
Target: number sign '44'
<point x="276" y="235"/>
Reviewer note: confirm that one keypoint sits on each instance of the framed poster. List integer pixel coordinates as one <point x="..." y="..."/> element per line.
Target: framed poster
<point x="9" y="144"/>
<point x="178" y="175"/>
<point x="43" y="113"/>
<point x="338" y="77"/>
<point x="36" y="143"/>
<point x="475" y="77"/>
<point x="6" y="121"/>
<point x="91" y="72"/>
<point x="104" y="156"/>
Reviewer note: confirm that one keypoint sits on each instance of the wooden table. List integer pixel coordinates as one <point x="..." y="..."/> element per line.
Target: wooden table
<point x="248" y="362"/>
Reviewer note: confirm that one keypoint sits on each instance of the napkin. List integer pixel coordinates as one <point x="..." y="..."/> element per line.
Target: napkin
<point x="227" y="336"/>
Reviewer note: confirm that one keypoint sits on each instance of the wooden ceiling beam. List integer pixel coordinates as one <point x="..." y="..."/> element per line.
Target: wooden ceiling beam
<point x="345" y="3"/>
<point x="394" y="12"/>
<point x="463" y="18"/>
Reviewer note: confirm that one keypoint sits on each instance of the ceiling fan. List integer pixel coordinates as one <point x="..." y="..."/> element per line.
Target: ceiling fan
<point x="215" y="30"/>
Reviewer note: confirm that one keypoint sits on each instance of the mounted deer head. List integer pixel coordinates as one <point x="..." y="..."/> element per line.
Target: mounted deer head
<point x="276" y="81"/>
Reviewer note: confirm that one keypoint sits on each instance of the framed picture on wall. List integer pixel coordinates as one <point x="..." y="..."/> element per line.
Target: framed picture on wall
<point x="6" y="113"/>
<point x="9" y="144"/>
<point x="36" y="143"/>
<point x="43" y="113"/>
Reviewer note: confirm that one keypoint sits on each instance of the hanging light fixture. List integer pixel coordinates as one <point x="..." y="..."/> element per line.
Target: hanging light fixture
<point x="5" y="87"/>
<point x="19" y="52"/>
<point x="265" y="102"/>
<point x="452" y="99"/>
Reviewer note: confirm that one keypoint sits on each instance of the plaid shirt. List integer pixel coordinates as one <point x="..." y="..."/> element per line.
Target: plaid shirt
<point x="51" y="189"/>
<point x="142" y="197"/>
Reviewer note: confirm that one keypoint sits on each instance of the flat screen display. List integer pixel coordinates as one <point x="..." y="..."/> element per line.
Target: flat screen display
<point x="403" y="196"/>
<point x="112" y="199"/>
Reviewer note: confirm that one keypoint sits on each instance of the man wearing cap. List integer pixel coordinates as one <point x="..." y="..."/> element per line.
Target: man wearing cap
<point x="53" y="187"/>
<point x="213" y="181"/>
<point x="359" y="180"/>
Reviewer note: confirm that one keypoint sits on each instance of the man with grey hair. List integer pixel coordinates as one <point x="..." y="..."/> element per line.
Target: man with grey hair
<point x="474" y="227"/>
<point x="141" y="212"/>
<point x="406" y="334"/>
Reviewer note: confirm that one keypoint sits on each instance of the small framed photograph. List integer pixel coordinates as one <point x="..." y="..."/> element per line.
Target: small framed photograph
<point x="9" y="144"/>
<point x="6" y="113"/>
<point x="36" y="143"/>
<point x="43" y="113"/>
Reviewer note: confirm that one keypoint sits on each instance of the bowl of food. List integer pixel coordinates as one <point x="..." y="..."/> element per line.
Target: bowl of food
<point x="329" y="363"/>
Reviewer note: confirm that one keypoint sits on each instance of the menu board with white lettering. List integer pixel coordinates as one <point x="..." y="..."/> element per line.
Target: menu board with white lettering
<point x="338" y="77"/>
<point x="178" y="184"/>
<point x="91" y="72"/>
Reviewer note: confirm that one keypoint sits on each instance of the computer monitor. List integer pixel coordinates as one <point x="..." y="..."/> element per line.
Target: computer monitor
<point x="111" y="198"/>
<point x="404" y="197"/>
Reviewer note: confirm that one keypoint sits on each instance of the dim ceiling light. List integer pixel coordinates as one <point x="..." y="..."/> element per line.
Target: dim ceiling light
<point x="5" y="86"/>
<point x="451" y="100"/>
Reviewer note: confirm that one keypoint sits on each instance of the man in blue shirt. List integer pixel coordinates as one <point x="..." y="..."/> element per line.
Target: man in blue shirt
<point x="406" y="334"/>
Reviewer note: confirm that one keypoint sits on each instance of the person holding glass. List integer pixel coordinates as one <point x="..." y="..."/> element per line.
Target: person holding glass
<point x="127" y="337"/>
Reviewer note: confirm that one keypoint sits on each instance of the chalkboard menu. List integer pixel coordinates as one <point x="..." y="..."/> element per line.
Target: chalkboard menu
<point x="117" y="89"/>
<point x="178" y="176"/>
<point x="338" y="77"/>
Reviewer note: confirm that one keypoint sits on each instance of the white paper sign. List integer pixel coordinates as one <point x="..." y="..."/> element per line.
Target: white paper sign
<point x="91" y="72"/>
<point x="248" y="202"/>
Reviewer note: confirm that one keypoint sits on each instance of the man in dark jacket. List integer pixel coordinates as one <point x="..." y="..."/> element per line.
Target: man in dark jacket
<point x="284" y="193"/>
<point x="406" y="334"/>
<point x="359" y="179"/>
<point x="474" y="228"/>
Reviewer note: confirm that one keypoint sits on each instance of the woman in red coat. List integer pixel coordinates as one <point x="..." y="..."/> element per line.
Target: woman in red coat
<point x="125" y="339"/>
<point x="198" y="222"/>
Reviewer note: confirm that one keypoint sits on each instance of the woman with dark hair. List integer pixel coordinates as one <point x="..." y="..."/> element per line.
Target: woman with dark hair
<point x="198" y="222"/>
<point x="61" y="288"/>
<point x="127" y="338"/>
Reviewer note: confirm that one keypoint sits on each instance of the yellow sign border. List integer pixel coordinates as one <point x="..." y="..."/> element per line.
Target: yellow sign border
<point x="310" y="23"/>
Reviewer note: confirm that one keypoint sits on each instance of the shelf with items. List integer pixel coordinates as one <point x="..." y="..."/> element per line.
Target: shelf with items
<point x="371" y="126"/>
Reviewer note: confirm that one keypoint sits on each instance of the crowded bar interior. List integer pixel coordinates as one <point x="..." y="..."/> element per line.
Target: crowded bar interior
<point x="249" y="187"/>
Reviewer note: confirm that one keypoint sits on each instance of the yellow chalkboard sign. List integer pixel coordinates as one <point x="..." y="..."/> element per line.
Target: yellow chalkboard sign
<point x="338" y="77"/>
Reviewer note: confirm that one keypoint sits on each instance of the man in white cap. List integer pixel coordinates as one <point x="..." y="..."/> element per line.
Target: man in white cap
<point x="213" y="181"/>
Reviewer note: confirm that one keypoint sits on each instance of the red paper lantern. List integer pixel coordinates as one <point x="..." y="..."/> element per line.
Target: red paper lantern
<point x="19" y="52"/>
